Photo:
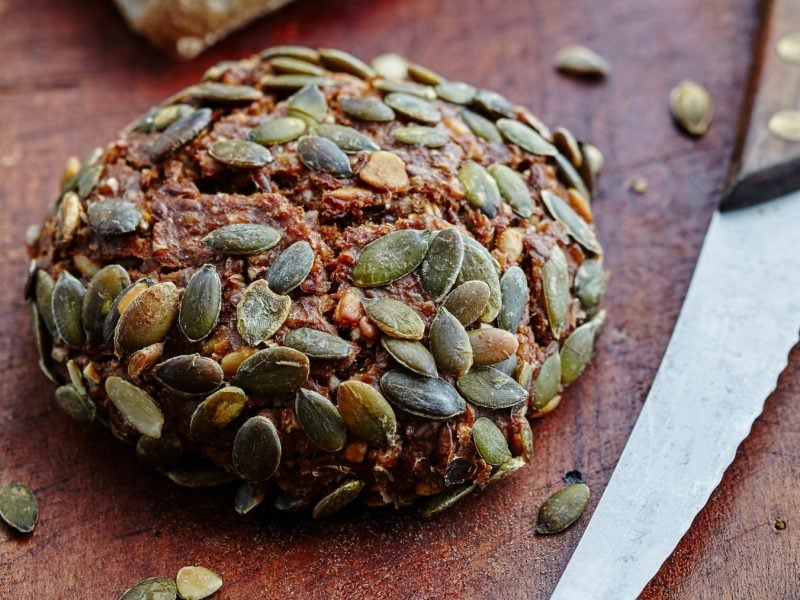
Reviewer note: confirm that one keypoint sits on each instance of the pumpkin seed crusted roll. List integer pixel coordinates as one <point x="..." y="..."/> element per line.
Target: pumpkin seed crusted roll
<point x="326" y="280"/>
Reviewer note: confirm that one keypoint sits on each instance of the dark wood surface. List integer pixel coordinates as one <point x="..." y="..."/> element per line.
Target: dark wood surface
<point x="72" y="76"/>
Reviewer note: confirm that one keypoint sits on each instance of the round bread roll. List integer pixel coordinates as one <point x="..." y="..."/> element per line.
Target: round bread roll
<point x="324" y="280"/>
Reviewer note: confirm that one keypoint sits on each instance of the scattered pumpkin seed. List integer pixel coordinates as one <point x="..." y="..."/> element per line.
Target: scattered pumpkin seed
<point x="555" y="284"/>
<point x="447" y="499"/>
<point x="256" y="450"/>
<point x="18" y="507"/>
<point x="224" y="93"/>
<point x="450" y="344"/>
<point x="385" y="171"/>
<point x="366" y="109"/>
<point x="420" y="134"/>
<point x="293" y="82"/>
<point x="413" y="107"/>
<point x="147" y="319"/>
<point x="578" y="349"/>
<point x="785" y="125"/>
<point x="590" y="283"/>
<point x="515" y="294"/>
<point x="479" y="264"/>
<point x="691" y="107"/>
<point x="287" y="64"/>
<point x="525" y="137"/>
<point x="491" y="346"/>
<point x="249" y="496"/>
<point x="292" y="51"/>
<point x="318" y="344"/>
<point x="308" y="102"/>
<point x="218" y="410"/>
<point x="480" y="188"/>
<point x="459" y="470"/>
<point x="242" y="238"/>
<point x="121" y="302"/>
<point x="390" y="257"/>
<point x="337" y="499"/>
<point x="338" y="60"/>
<point x="562" y="509"/>
<point x="291" y="268"/>
<point x="489" y="388"/>
<point x="162" y="452"/>
<point x="394" y="318"/>
<point x="67" y="303"/>
<point x="190" y="374"/>
<point x="422" y="396"/>
<point x="43" y="292"/>
<point x="581" y="62"/>
<point x="320" y="420"/>
<point x="442" y="263"/>
<point x="468" y="301"/>
<point x="456" y="92"/>
<point x="154" y="588"/>
<point x="547" y="382"/>
<point x="261" y="312"/>
<point x="180" y="133"/>
<point x="136" y="406"/>
<point x="113" y="217"/>
<point x="278" y="131"/>
<point x="199" y="476"/>
<point x="413" y="355"/>
<point x="366" y="412"/>
<point x="348" y="139"/>
<point x="201" y="303"/>
<point x="272" y="371"/>
<point x="196" y="583"/>
<point x="513" y="189"/>
<point x="103" y="289"/>
<point x="390" y="65"/>
<point x="481" y="126"/>
<point x="490" y="442"/>
<point x="240" y="154"/>
<point x="404" y="87"/>
<point x="321" y="154"/>
<point x="75" y="404"/>
<point x="167" y="115"/>
<point x="493" y="105"/>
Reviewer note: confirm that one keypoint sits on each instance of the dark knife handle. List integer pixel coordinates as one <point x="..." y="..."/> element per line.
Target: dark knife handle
<point x="765" y="166"/>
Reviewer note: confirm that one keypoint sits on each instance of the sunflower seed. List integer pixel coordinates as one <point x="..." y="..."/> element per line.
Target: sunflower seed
<point x="240" y="154"/>
<point x="278" y="131"/>
<point x="414" y="356"/>
<point x="136" y="406"/>
<point x="318" y="344"/>
<point x="321" y="154"/>
<point x="447" y="499"/>
<point x="442" y="263"/>
<point x="43" y="292"/>
<point x="507" y="468"/>
<point x="67" y="302"/>
<point x="468" y="301"/>
<point x="147" y="319"/>
<point x="272" y="371"/>
<point x="162" y="452"/>
<point x="581" y="62"/>
<point x="366" y="109"/>
<point x="575" y="226"/>
<point x="459" y="470"/>
<point x="348" y="139"/>
<point x="570" y="175"/>
<point x="261" y="312"/>
<point x="167" y="115"/>
<point x="422" y="396"/>
<point x="154" y="588"/>
<point x="75" y="404"/>
<point x="513" y="189"/>
<point x="404" y="87"/>
<point x="490" y="442"/>
<point x="199" y="476"/>
<point x="180" y="133"/>
<point x="256" y="450"/>
<point x="287" y="64"/>
<point x="224" y="93"/>
<point x="291" y="268"/>
<point x="413" y="107"/>
<point x="309" y="102"/>
<point x="242" y="239"/>
<point x="525" y="137"/>
<point x="68" y="219"/>
<point x="320" y="420"/>
<point x="515" y="294"/>
<point x="481" y="126"/>
<point x="456" y="92"/>
<point x="190" y="374"/>
<point x="691" y="107"/>
<point x="121" y="302"/>
<point x="292" y="51"/>
<point x="366" y="412"/>
<point x="196" y="583"/>
<point x="103" y="289"/>
<point x="562" y="509"/>
<point x="420" y="134"/>
<point x="450" y="344"/>
<point x="491" y="346"/>
<point x="249" y="496"/>
<point x="385" y="171"/>
<point x="337" y="499"/>
<point x="547" y="382"/>
<point x="18" y="507"/>
<point x="201" y="303"/>
<point x="338" y="60"/>
<point x="293" y="82"/>
<point x="480" y="188"/>
<point x="394" y="318"/>
<point x="390" y="257"/>
<point x="590" y="283"/>
<point x="479" y="265"/>
<point x="218" y="410"/>
<point x="113" y="217"/>
<point x="578" y="349"/>
<point x="489" y="388"/>
<point x="390" y="65"/>
<point x="493" y="105"/>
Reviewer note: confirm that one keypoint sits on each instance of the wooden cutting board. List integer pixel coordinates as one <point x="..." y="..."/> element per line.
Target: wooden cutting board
<point x="72" y="76"/>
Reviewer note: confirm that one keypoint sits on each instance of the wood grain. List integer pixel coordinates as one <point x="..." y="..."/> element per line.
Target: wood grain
<point x="73" y="75"/>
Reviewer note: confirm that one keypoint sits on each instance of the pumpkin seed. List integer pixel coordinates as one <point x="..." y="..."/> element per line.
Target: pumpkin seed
<point x="788" y="48"/>
<point x="201" y="303"/>
<point x="479" y="265"/>
<point x="570" y="175"/>
<point x="163" y="452"/>
<point x="575" y="226"/>
<point x="480" y="188"/>
<point x="320" y="420"/>
<point x="507" y="366"/>
<point x="87" y="179"/>
<point x="293" y="82"/>
<point x="447" y="499"/>
<point x="249" y="496"/>
<point x="490" y="442"/>
<point x="272" y="371"/>
<point x="491" y="346"/>
<point x="459" y="470"/>
<point x="404" y="87"/>
<point x="590" y="283"/>
<point x="113" y="217"/>
<point x="136" y="406"/>
<point x="318" y="344"/>
<point x="261" y="312"/>
<point x="196" y="583"/>
<point x="423" y="74"/>
<point x="256" y="450"/>
<point x="321" y="154"/>
<point x="456" y="92"/>
<point x="103" y="289"/>
<point x="278" y="131"/>
<point x="450" y="344"/>
<point x="67" y="302"/>
<point x="75" y="404"/>
<point x="224" y="93"/>
<point x="593" y="157"/>
<point x="525" y="374"/>
<point x="242" y="238"/>
<point x="442" y="263"/>
<point x="390" y="257"/>
<point x="536" y="123"/>
<point x="189" y="373"/>
<point x="481" y="126"/>
<point x="507" y="468"/>
<point x="43" y="347"/>
<point x="180" y="133"/>
<point x="394" y="318"/>
<point x="348" y="139"/>
<point x="413" y="107"/>
<point x="489" y="388"/>
<point x="420" y="134"/>
<point x="154" y="588"/>
<point x="69" y="218"/>
<point x="309" y="102"/>
<point x="468" y="301"/>
<point x="581" y="61"/>
<point x="390" y="65"/>
<point x="287" y="503"/>
<point x="167" y="115"/>
<point x="147" y="319"/>
<point x="422" y="396"/>
<point x="75" y="376"/>
<point x="366" y="412"/>
<point x="562" y="509"/>
<point x="337" y="499"/>
<point x="199" y="476"/>
<point x="513" y="189"/>
<point x="43" y="292"/>
<point x="515" y="294"/>
<point x="218" y="410"/>
<point x="568" y="145"/>
<point x="366" y="109"/>
<point x="121" y="302"/>
<point x="493" y="105"/>
<point x="338" y="60"/>
<point x="555" y="283"/>
<point x="525" y="137"/>
<point x="414" y="356"/>
<point x="18" y="507"/>
<point x="547" y="382"/>
<point x="292" y="51"/>
<point x="691" y="107"/>
<point x="287" y="64"/>
<point x="526" y="437"/>
<point x="291" y="268"/>
<point x="578" y="348"/>
<point x="240" y="154"/>
<point x="385" y="171"/>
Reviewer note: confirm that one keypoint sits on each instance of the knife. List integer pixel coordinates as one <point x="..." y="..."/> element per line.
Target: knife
<point x="740" y="319"/>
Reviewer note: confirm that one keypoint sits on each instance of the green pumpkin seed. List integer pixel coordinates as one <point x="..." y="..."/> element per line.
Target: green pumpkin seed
<point x="575" y="226"/>
<point x="489" y="388"/>
<point x="423" y="74"/>
<point x="571" y="176"/>
<point x="481" y="126"/>
<point x="338" y="60"/>
<point x="513" y="189"/>
<point x="394" y="318"/>
<point x="136" y="406"/>
<point x="691" y="107"/>
<point x="123" y="300"/>
<point x="506" y="469"/>
<point x="456" y="92"/>
<point x="242" y="239"/>
<point x="390" y="65"/>
<point x="160" y="453"/>
<point x="75" y="404"/>
<point x="292" y="51"/>
<point x="167" y="115"/>
<point x="318" y="344"/>
<point x="422" y="396"/>
<point x="199" y="476"/>
<point x="154" y="588"/>
<point x="190" y="374"/>
<point x="180" y="133"/>
<point x="459" y="470"/>
<point x="148" y="318"/>
<point x="43" y="292"/>
<point x="568" y="145"/>
<point x="515" y="294"/>
<point x="536" y="123"/>
<point x="287" y="503"/>
<point x="103" y="289"/>
<point x="308" y="102"/>
<point x="414" y="356"/>
<point x="240" y="154"/>
<point x="365" y="109"/>
<point x="272" y="371"/>
<point x="321" y="154"/>
<point x="293" y="82"/>
<point x="581" y="61"/>
<point x="288" y="64"/>
<point x="525" y="137"/>
<point x="450" y="344"/>
<point x="468" y="301"/>
<point x="291" y="268"/>
<point x="366" y="412"/>
<point x="442" y="263"/>
<point x="249" y="496"/>
<point x="320" y="420"/>
<point x="526" y="435"/>
<point x="256" y="450"/>
<point x="261" y="312"/>
<point x="348" y="139"/>
<point x="590" y="283"/>
<point x="491" y="346"/>
<point x="113" y="217"/>
<point x="493" y="105"/>
<point x="562" y="509"/>
<point x="413" y="107"/>
<point x="480" y="188"/>
<point x="404" y="87"/>
<point x="43" y="347"/>
<point x="548" y="381"/>
<point x="18" y="507"/>
<point x="201" y="303"/>
<point x="278" y="131"/>
<point x="337" y="499"/>
<point x="217" y="411"/>
<point x="390" y="257"/>
<point x="87" y="179"/>
<point x="224" y="93"/>
<point x="479" y="265"/>
<point x="67" y="303"/>
<point x="196" y="583"/>
<point x="525" y="374"/>
<point x="507" y="366"/>
<point x="578" y="349"/>
<point x="75" y="376"/>
<point x="490" y="442"/>
<point x="420" y="134"/>
<point x="447" y="499"/>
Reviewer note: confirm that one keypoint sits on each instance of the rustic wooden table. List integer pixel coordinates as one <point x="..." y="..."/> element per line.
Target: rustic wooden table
<point x="72" y="76"/>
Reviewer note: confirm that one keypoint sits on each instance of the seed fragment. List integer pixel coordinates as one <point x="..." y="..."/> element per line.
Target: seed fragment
<point x="261" y="312"/>
<point x="578" y="348"/>
<point x="18" y="507"/>
<point x="525" y="137"/>
<point x="447" y="499"/>
<point x="242" y="238"/>
<point x="154" y="588"/>
<point x="480" y="188"/>
<point x="575" y="226"/>
<point x="320" y="420"/>
<point x="413" y="355"/>
<point x="75" y="404"/>
<point x="180" y="133"/>
<point x="513" y="189"/>
<point x="147" y="319"/>
<point x="385" y="171"/>
<point x="481" y="126"/>
<point x="190" y="374"/>
<point x="479" y="265"/>
<point x="318" y="344"/>
<point x="224" y="93"/>
<point x="420" y="134"/>
<point x="256" y="450"/>
<point x="468" y="301"/>
<point x="490" y="442"/>
<point x="103" y="289"/>
<point x="321" y="154"/>
<point x="390" y="257"/>
<point x="394" y="318"/>
<point x="136" y="406"/>
<point x="490" y="388"/>
<point x="201" y="303"/>
<point x="240" y="154"/>
<point x="218" y="410"/>
<point x="491" y="346"/>
<point x="413" y="107"/>
<point x="691" y="107"/>
<point x="422" y="396"/>
<point x="67" y="308"/>
<point x="308" y="102"/>
<point x="515" y="295"/>
<point x="337" y="499"/>
<point x="365" y="109"/>
<point x="493" y="105"/>
<point x="196" y="583"/>
<point x="555" y="284"/>
<point x="338" y="60"/>
<point x="547" y="382"/>
<point x="581" y="62"/>
<point x="277" y="131"/>
<point x="590" y="283"/>
<point x="450" y="344"/>
<point x="272" y="371"/>
<point x="366" y="412"/>
<point x="442" y="263"/>
<point x="562" y="509"/>
<point x="456" y="92"/>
